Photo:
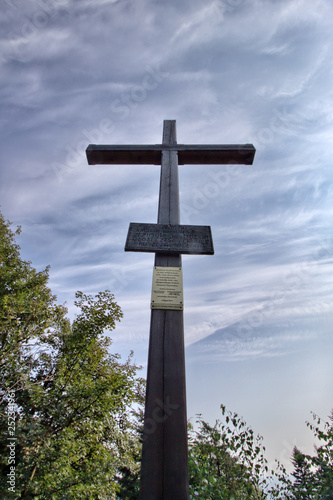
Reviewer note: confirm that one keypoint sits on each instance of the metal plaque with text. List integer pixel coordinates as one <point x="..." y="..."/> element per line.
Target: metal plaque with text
<point x="167" y="290"/>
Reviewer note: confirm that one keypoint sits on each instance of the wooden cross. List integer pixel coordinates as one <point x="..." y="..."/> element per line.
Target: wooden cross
<point x="164" y="469"/>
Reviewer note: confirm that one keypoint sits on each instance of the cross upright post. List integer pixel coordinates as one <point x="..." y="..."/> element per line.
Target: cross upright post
<point x="164" y="467"/>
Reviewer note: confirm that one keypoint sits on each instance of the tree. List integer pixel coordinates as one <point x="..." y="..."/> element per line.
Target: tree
<point x="312" y="477"/>
<point x="303" y="484"/>
<point x="322" y="461"/>
<point x="27" y="310"/>
<point x="226" y="461"/>
<point x="72" y="400"/>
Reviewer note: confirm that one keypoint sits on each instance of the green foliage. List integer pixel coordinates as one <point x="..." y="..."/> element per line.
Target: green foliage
<point x="75" y="430"/>
<point x="312" y="476"/>
<point x="303" y="484"/>
<point x="322" y="461"/>
<point x="27" y="310"/>
<point x="226" y="461"/>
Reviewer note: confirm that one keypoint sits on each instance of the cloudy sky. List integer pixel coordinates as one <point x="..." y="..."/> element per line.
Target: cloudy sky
<point x="258" y="313"/>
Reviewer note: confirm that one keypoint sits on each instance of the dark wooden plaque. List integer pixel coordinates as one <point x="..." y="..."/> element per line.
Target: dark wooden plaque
<point x="169" y="239"/>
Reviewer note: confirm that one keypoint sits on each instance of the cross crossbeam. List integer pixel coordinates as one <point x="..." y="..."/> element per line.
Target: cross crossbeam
<point x="151" y="154"/>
